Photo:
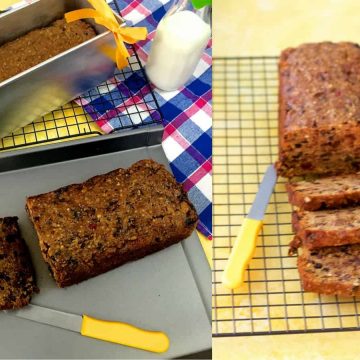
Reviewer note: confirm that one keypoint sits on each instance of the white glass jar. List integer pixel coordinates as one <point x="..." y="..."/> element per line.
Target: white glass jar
<point x="180" y="40"/>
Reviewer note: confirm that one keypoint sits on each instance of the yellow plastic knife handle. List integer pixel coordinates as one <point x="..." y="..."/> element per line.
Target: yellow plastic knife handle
<point x="241" y="253"/>
<point x="125" y="334"/>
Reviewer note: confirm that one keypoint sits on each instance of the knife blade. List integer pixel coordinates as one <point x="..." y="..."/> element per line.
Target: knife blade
<point x="245" y="243"/>
<point x="112" y="331"/>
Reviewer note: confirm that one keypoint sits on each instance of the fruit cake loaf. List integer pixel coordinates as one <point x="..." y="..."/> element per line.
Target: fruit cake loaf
<point x="322" y="228"/>
<point x="331" y="270"/>
<point x="319" y="109"/>
<point x="17" y="279"/>
<point x="41" y="44"/>
<point x="325" y="193"/>
<point x="87" y="229"/>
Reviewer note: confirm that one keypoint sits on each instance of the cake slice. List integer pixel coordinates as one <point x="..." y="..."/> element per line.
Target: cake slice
<point x="331" y="270"/>
<point x="87" y="229"/>
<point x="17" y="279"/>
<point x="322" y="228"/>
<point x="330" y="192"/>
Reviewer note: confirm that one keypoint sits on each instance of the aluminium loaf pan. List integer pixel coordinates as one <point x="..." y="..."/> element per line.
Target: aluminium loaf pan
<point x="45" y="87"/>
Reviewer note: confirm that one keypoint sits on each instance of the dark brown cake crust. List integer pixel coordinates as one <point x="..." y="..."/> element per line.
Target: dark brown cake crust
<point x="316" y="229"/>
<point x="17" y="56"/>
<point x="331" y="270"/>
<point x="325" y="193"/>
<point x="319" y="109"/>
<point x="17" y="279"/>
<point x="87" y="229"/>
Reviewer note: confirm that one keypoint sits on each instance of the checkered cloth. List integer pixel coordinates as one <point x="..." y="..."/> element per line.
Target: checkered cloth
<point x="187" y="139"/>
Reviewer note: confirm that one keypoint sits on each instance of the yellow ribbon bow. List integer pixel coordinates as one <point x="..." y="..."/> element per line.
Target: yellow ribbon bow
<point x="103" y="15"/>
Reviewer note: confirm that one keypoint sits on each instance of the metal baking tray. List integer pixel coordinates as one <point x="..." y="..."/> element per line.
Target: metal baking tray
<point x="44" y="87"/>
<point x="168" y="291"/>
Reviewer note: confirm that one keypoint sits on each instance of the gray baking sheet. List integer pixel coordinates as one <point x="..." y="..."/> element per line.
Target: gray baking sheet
<point x="168" y="291"/>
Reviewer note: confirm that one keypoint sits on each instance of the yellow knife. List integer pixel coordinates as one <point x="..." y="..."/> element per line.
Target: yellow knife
<point x="112" y="331"/>
<point x="245" y="243"/>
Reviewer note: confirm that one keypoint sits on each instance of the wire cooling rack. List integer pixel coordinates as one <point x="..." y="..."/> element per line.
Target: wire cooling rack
<point x="271" y="300"/>
<point x="71" y="120"/>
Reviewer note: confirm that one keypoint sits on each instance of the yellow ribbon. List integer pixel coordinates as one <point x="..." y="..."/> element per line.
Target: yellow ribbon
<point x="103" y="15"/>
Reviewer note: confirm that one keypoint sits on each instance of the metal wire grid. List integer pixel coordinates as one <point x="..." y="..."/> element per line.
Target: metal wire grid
<point x="71" y="120"/>
<point x="245" y="142"/>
